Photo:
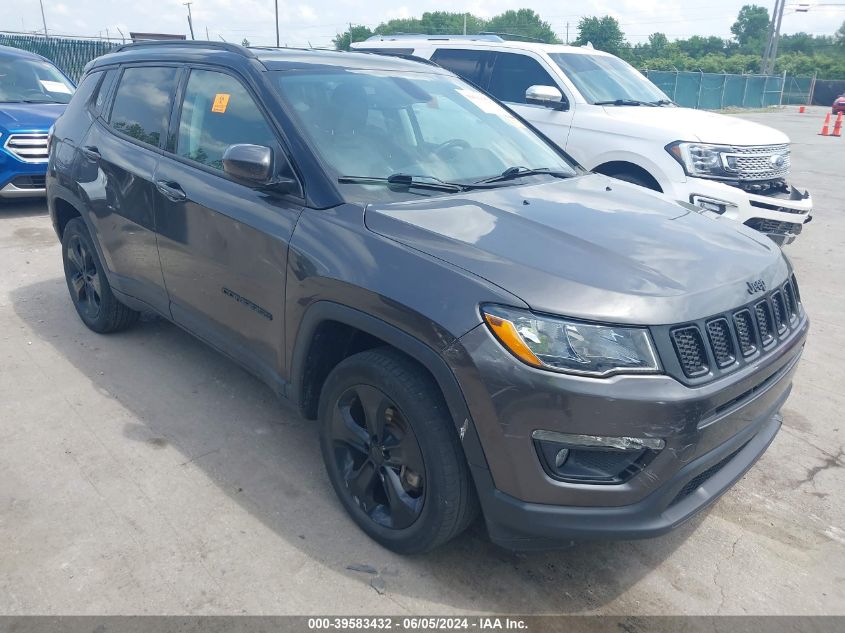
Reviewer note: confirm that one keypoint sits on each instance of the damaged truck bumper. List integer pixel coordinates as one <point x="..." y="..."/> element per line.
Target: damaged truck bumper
<point x="777" y="210"/>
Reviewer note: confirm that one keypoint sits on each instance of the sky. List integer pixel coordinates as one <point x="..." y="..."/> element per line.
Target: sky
<point x="315" y="22"/>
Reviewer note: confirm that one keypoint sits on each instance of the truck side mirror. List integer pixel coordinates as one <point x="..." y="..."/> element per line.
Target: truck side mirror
<point x="546" y="96"/>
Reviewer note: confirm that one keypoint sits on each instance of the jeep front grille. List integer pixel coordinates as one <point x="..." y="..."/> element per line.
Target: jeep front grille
<point x="30" y="148"/>
<point x="723" y="342"/>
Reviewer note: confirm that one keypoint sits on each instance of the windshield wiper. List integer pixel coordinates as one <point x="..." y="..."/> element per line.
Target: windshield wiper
<point x="663" y="102"/>
<point x="626" y="102"/>
<point x="518" y="172"/>
<point x="405" y="180"/>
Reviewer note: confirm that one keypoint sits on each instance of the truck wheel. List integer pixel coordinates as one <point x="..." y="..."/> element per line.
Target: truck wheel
<point x="392" y="452"/>
<point x="89" y="289"/>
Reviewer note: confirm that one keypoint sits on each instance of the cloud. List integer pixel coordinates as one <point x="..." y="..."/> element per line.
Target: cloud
<point x="318" y="21"/>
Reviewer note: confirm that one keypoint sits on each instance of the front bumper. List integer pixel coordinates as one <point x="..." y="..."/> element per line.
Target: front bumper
<point x="21" y="179"/>
<point x="780" y="216"/>
<point x="713" y="433"/>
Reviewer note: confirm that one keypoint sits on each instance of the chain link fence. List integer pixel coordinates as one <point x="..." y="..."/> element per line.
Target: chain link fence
<point x="70" y="55"/>
<point x="716" y="91"/>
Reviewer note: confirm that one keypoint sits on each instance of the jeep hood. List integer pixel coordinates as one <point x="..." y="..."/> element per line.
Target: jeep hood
<point x="589" y="247"/>
<point x="29" y="117"/>
<point x="686" y="124"/>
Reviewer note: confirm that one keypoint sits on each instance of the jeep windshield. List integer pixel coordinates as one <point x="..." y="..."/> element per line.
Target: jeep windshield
<point x="32" y="81"/>
<point x="607" y="80"/>
<point x="385" y="135"/>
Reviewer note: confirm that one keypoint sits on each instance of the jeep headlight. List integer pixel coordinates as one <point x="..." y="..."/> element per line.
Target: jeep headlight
<point x="703" y="160"/>
<point x="570" y="346"/>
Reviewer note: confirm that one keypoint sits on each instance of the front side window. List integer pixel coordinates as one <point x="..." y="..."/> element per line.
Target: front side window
<point x="603" y="78"/>
<point x="513" y="74"/>
<point x="32" y="81"/>
<point x="218" y="112"/>
<point x="142" y="103"/>
<point x="369" y="123"/>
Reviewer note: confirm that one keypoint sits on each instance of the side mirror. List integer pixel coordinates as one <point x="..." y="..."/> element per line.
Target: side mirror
<point x="546" y="96"/>
<point x="253" y="165"/>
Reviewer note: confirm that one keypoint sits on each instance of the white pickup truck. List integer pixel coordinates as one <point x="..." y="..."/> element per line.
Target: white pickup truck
<point x="614" y="121"/>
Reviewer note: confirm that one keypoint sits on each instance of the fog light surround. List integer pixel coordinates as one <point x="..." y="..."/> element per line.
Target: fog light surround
<point x="594" y="459"/>
<point x="711" y="204"/>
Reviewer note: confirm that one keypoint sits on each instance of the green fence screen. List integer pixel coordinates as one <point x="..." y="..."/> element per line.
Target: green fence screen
<point x="714" y="91"/>
<point x="70" y="55"/>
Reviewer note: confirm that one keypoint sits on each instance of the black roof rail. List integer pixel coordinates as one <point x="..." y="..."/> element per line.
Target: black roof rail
<point x="225" y="46"/>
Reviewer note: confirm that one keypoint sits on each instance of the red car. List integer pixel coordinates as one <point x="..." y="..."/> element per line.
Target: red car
<point x="839" y="104"/>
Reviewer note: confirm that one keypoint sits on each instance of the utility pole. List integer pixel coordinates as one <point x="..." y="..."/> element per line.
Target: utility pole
<point x="44" y="20"/>
<point x="465" y="23"/>
<point x="567" y="33"/>
<point x="190" y="20"/>
<point x="207" y="38"/>
<point x="770" y="56"/>
<point x="277" y="23"/>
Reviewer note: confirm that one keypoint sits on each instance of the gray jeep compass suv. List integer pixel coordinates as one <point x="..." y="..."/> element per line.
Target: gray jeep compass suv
<point x="476" y="323"/>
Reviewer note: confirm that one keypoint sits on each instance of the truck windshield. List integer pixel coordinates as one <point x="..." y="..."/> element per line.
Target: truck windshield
<point x="378" y="129"/>
<point x="607" y="79"/>
<point x="32" y="81"/>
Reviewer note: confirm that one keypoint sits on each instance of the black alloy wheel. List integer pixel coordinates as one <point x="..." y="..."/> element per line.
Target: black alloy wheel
<point x="378" y="457"/>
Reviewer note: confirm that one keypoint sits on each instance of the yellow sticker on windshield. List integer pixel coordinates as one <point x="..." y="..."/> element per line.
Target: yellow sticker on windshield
<point x="221" y="102"/>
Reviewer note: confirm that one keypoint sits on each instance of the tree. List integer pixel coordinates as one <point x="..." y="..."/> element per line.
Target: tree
<point x="523" y="22"/>
<point x="657" y="42"/>
<point x="603" y="33"/>
<point x="840" y="36"/>
<point x="343" y="40"/>
<point x="751" y="26"/>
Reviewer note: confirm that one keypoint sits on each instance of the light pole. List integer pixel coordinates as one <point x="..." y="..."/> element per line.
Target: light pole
<point x="44" y="20"/>
<point x="277" y="23"/>
<point x="190" y="21"/>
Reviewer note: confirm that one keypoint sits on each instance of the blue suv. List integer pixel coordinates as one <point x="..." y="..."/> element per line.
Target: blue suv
<point x="33" y="94"/>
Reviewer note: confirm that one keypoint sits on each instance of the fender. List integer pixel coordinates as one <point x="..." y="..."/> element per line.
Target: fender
<point x="644" y="163"/>
<point x="436" y="365"/>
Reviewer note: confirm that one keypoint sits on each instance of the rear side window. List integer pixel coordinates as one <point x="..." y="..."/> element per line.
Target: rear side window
<point x="84" y="93"/>
<point x="103" y="91"/>
<point x="142" y="103"/>
<point x="218" y="112"/>
<point x="467" y="64"/>
<point x="513" y="74"/>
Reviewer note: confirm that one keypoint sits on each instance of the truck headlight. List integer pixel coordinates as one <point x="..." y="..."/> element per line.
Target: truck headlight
<point x="570" y="346"/>
<point x="704" y="160"/>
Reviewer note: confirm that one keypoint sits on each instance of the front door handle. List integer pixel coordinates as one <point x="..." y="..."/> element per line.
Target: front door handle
<point x="91" y="153"/>
<point x="171" y="190"/>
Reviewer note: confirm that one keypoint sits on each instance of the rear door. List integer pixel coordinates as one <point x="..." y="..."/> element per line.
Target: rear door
<point x="223" y="244"/>
<point x="122" y="150"/>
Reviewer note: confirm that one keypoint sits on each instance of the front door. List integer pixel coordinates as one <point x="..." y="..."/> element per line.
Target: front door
<point x="223" y="244"/>
<point x="512" y="74"/>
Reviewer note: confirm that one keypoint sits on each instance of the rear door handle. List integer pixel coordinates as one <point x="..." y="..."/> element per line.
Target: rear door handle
<point x="171" y="190"/>
<point x="91" y="153"/>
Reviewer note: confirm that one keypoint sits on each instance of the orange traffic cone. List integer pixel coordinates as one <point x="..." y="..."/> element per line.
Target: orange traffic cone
<point x="802" y="109"/>
<point x="837" y="127"/>
<point x="825" y="128"/>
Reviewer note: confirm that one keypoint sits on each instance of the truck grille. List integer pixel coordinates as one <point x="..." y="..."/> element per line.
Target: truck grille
<point x="724" y="341"/>
<point x="30" y="148"/>
<point x="759" y="162"/>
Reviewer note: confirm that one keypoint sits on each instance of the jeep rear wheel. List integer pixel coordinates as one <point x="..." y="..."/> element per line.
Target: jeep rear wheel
<point x="89" y="289"/>
<point x="392" y="453"/>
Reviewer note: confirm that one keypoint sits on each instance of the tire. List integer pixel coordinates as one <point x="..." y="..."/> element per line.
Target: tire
<point x="410" y="501"/>
<point x="87" y="284"/>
